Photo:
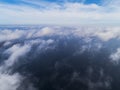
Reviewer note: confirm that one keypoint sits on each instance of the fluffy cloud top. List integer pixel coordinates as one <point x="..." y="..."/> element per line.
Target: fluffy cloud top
<point x="55" y="49"/>
<point x="103" y="33"/>
<point x="9" y="81"/>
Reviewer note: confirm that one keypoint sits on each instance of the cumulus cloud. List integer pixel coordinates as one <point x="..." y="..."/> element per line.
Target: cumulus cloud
<point x="103" y="33"/>
<point x="24" y="39"/>
<point x="16" y="51"/>
<point x="8" y="80"/>
<point x="108" y="34"/>
<point x="47" y="31"/>
<point x="9" y="34"/>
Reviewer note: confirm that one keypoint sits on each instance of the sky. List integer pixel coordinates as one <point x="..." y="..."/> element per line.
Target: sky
<point x="60" y="12"/>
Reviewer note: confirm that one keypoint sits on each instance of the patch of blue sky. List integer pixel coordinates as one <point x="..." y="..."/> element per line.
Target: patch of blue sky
<point x="54" y="1"/>
<point x="11" y="1"/>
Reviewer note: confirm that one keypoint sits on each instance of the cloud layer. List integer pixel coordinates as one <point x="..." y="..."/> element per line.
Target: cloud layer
<point x="103" y="33"/>
<point x="68" y="58"/>
<point x="38" y="12"/>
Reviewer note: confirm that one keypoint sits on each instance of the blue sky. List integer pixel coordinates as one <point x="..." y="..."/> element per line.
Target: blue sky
<point x="56" y="1"/>
<point x="60" y="12"/>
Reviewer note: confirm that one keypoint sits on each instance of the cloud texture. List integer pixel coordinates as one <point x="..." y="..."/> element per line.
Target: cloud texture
<point x="47" y="57"/>
<point x="39" y="12"/>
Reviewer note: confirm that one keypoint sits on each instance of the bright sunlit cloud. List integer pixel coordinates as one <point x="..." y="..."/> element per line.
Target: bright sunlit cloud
<point x="75" y="13"/>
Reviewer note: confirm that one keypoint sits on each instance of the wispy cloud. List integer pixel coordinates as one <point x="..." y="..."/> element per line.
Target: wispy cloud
<point x="38" y="12"/>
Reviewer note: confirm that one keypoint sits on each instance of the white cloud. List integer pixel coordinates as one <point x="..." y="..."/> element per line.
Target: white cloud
<point x="44" y="45"/>
<point x="108" y="34"/>
<point x="69" y="13"/>
<point x="9" y="34"/>
<point x="116" y="56"/>
<point x="16" y="51"/>
<point x="103" y="33"/>
<point x="9" y="82"/>
<point x="46" y="31"/>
